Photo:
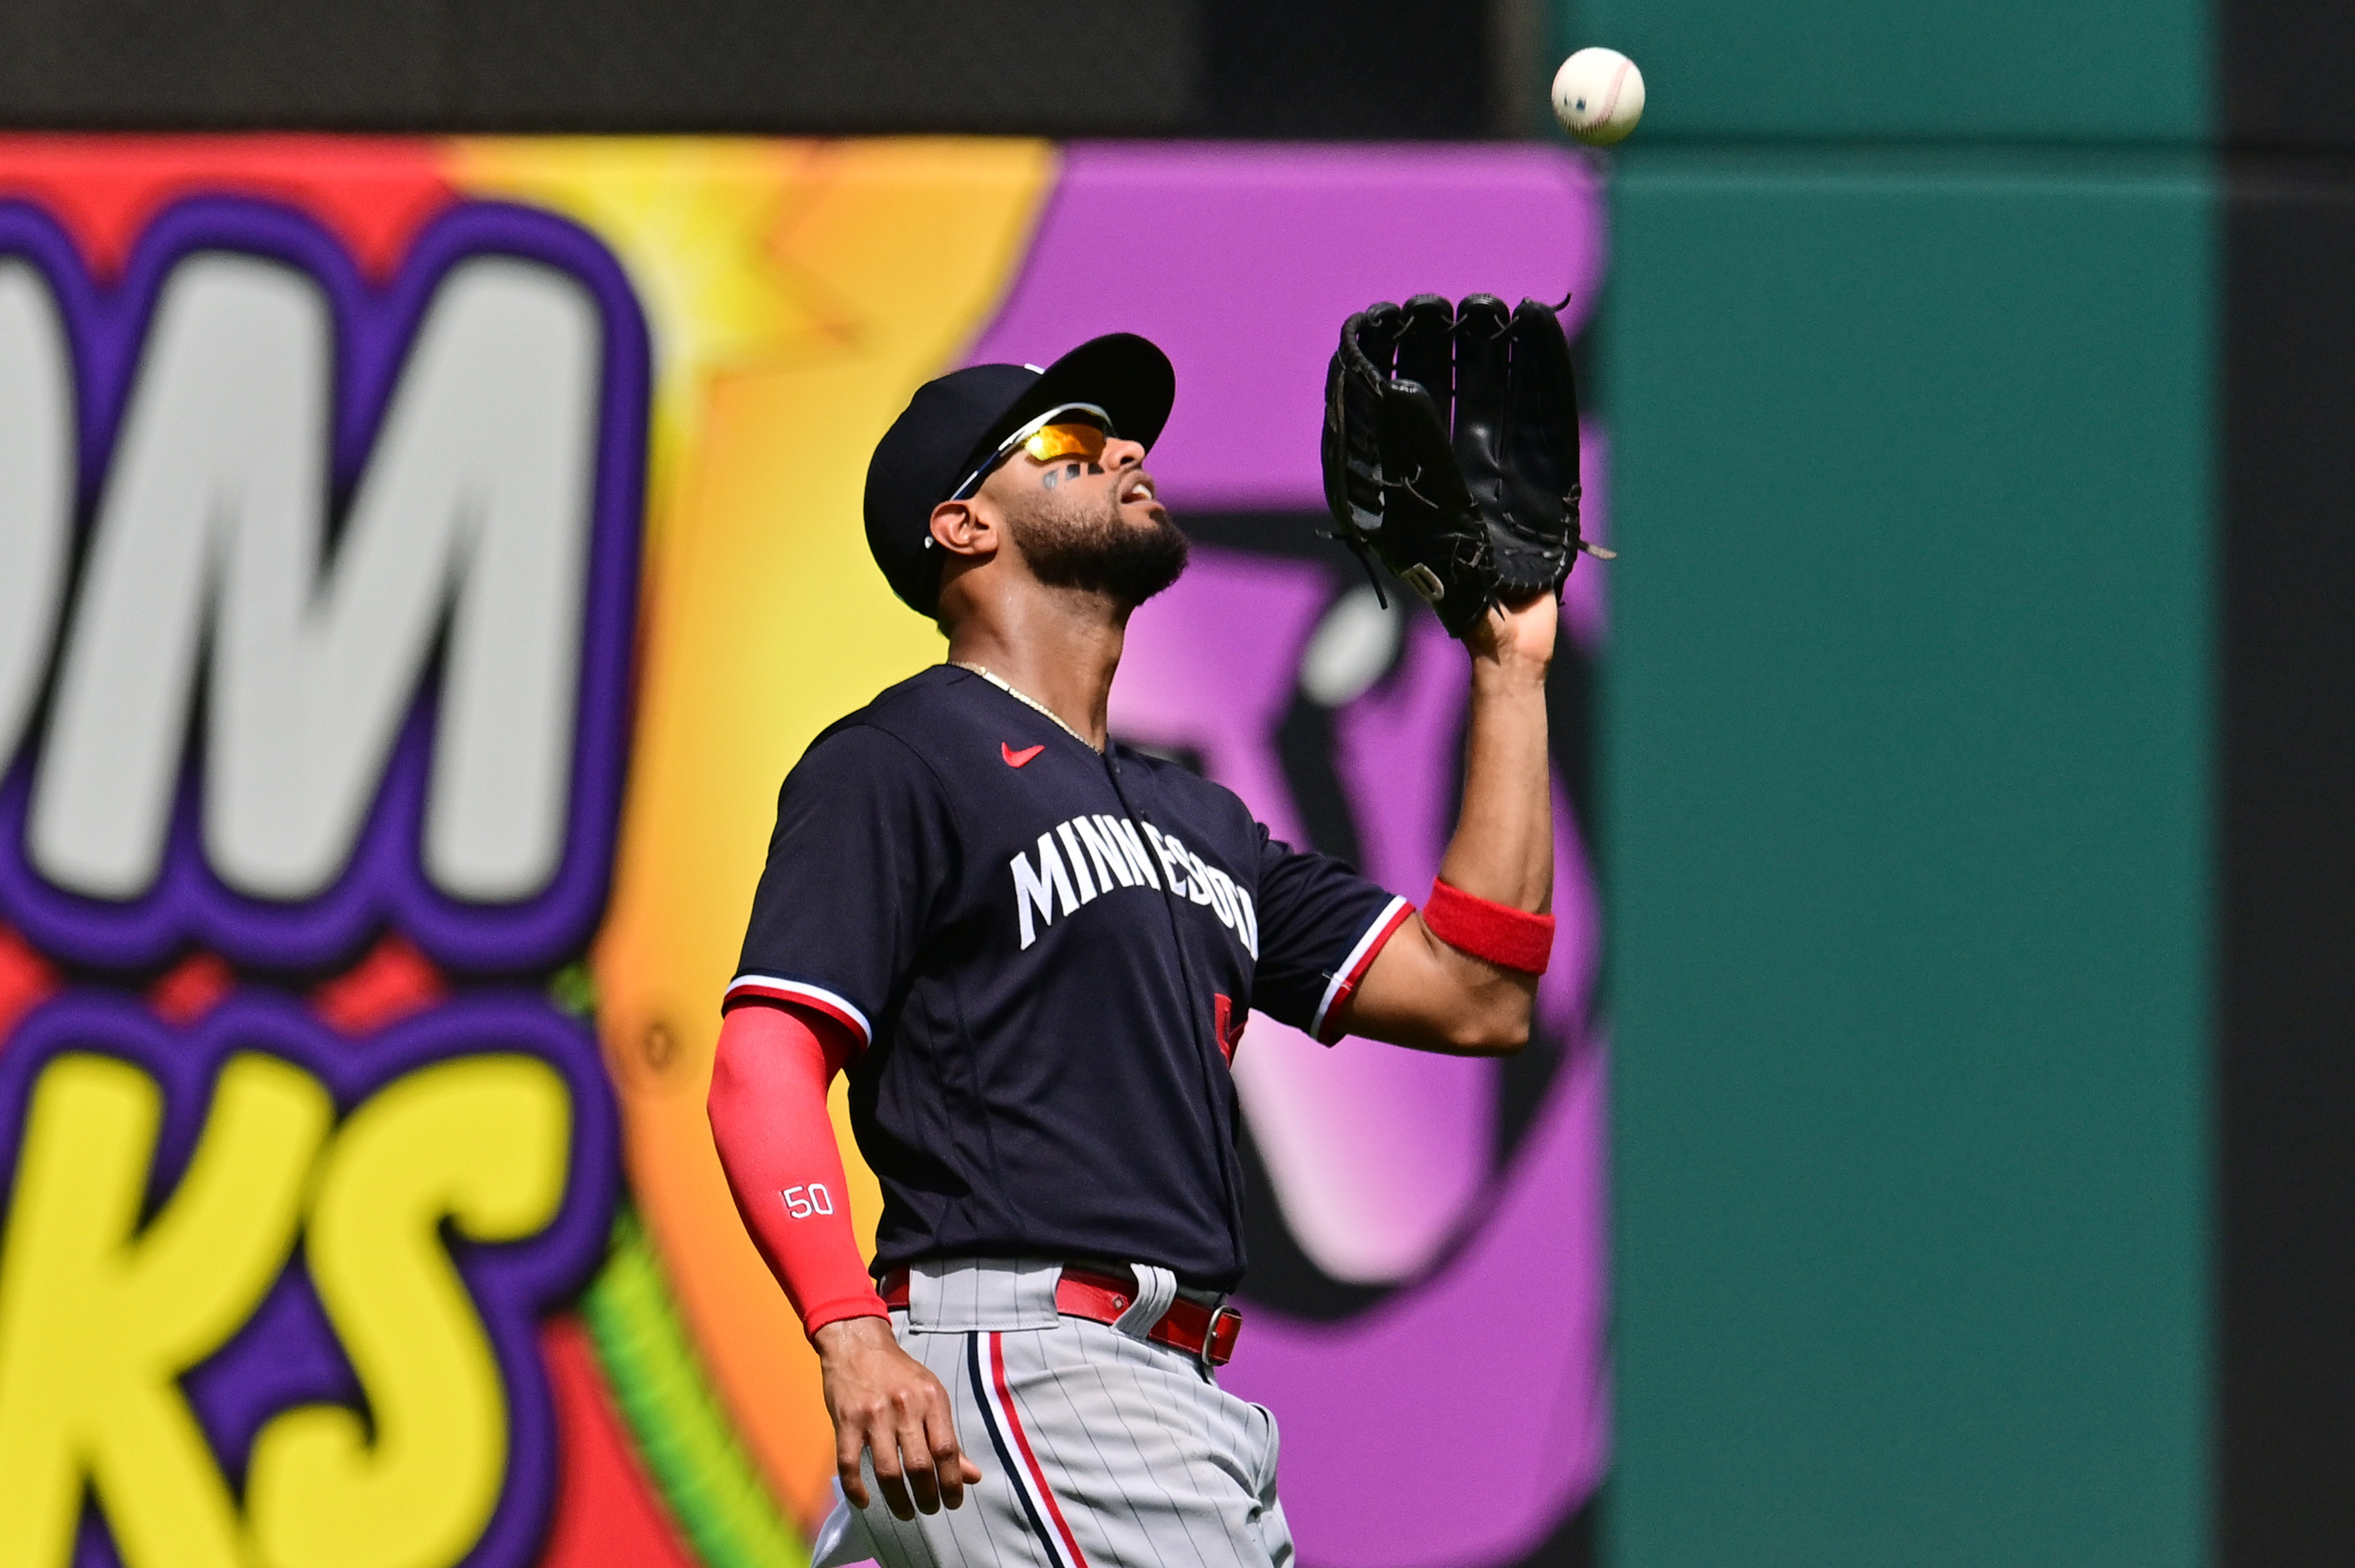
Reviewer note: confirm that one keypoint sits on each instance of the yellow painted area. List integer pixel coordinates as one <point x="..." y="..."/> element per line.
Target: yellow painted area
<point x="482" y="1141"/>
<point x="693" y="222"/>
<point x="97" y="1323"/>
<point x="799" y="293"/>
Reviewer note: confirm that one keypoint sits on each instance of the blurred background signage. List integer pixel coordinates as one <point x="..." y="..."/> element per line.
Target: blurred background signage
<point x="428" y="559"/>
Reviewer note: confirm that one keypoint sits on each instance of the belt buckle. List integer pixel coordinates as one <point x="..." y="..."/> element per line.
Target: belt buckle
<point x="1208" y="1355"/>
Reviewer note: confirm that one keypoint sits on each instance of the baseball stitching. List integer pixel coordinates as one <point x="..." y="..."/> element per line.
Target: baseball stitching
<point x="1612" y="101"/>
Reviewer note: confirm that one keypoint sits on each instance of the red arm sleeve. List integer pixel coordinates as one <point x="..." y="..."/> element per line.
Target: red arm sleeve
<point x="768" y="1079"/>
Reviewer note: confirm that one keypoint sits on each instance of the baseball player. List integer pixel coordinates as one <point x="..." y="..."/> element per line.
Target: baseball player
<point x="1032" y="950"/>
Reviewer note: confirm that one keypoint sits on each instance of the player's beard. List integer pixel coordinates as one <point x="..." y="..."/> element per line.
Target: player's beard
<point x="1073" y="545"/>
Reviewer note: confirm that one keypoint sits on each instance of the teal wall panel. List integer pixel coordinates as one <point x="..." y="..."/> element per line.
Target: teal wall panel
<point x="1905" y="784"/>
<point x="2008" y="70"/>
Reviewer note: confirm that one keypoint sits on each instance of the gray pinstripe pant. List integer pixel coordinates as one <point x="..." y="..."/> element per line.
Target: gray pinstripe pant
<point x="1100" y="1449"/>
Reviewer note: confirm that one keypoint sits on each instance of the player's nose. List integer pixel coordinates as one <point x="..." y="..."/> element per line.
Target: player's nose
<point x="1119" y="453"/>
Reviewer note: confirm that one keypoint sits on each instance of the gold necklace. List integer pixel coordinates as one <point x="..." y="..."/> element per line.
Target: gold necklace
<point x="995" y="679"/>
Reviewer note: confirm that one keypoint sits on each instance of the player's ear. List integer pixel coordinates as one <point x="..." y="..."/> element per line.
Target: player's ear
<point x="964" y="528"/>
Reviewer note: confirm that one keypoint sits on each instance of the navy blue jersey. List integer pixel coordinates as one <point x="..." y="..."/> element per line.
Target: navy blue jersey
<point x="1048" y="955"/>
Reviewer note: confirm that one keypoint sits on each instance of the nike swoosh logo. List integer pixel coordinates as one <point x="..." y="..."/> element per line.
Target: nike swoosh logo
<point x="1017" y="759"/>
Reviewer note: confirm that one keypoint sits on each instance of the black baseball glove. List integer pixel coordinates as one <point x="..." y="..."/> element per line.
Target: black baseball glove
<point x="1451" y="451"/>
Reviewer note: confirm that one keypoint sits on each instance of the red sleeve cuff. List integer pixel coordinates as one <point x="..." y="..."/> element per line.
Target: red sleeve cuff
<point x="869" y="1306"/>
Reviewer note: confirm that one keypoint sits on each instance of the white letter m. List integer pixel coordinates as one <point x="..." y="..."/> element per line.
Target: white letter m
<point x="472" y="513"/>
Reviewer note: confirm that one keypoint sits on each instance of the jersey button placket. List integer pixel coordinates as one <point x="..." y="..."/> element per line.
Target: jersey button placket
<point x="1230" y="1162"/>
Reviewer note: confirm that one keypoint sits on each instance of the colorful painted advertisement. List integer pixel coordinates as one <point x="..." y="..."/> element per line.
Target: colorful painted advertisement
<point x="420" y="562"/>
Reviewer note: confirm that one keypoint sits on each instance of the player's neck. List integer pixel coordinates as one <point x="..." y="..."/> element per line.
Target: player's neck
<point x="1059" y="647"/>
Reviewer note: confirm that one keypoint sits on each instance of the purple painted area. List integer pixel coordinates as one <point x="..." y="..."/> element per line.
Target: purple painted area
<point x="286" y="1354"/>
<point x="1403" y="733"/>
<point x="1456" y="1423"/>
<point x="1208" y="667"/>
<point x="1417" y="1132"/>
<point x="385" y="883"/>
<point x="1241" y="261"/>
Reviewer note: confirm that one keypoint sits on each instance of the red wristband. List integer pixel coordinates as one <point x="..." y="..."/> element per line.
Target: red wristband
<point x="1508" y="938"/>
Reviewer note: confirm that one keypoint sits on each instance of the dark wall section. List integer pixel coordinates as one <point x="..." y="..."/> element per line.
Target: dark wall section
<point x="1371" y="69"/>
<point x="2287" y="994"/>
<point x="1379" y="70"/>
<point x="2285" y="1020"/>
<point x="121" y="63"/>
<point x="2285" y="65"/>
<point x="830" y="65"/>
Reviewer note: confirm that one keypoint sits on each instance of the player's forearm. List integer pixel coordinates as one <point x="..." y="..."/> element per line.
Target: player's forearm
<point x="1502" y="850"/>
<point x="1430" y="993"/>
<point x="776" y="1144"/>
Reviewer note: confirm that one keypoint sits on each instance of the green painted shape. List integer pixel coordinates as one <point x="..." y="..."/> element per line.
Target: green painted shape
<point x="573" y="991"/>
<point x="1906" y="804"/>
<point x="2005" y="70"/>
<point x="681" y="1430"/>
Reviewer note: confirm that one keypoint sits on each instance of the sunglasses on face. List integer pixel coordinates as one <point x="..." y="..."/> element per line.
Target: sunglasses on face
<point x="1085" y="442"/>
<point x="1074" y="431"/>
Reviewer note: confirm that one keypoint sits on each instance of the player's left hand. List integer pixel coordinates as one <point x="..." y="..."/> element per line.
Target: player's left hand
<point x="887" y="1404"/>
<point x="1520" y="634"/>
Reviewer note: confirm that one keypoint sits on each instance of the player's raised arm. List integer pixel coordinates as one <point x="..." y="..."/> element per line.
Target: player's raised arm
<point x="1461" y="975"/>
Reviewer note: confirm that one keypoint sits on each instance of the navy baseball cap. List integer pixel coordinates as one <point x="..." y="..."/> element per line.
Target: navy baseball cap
<point x="953" y="424"/>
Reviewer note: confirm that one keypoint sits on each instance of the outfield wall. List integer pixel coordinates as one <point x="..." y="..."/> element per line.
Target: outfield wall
<point x="1977" y="752"/>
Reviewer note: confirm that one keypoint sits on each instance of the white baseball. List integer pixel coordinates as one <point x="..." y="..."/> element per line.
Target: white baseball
<point x="1598" y="96"/>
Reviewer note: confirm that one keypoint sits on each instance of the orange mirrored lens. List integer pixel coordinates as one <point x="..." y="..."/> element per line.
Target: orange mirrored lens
<point x="1053" y="442"/>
